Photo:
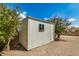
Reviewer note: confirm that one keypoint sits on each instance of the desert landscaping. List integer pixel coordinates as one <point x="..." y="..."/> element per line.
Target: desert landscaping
<point x="39" y="34"/>
<point x="68" y="46"/>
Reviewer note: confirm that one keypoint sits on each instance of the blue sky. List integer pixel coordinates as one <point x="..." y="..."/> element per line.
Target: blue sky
<point x="47" y="10"/>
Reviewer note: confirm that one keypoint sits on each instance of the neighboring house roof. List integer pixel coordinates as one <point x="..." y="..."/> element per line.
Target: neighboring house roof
<point x="40" y="20"/>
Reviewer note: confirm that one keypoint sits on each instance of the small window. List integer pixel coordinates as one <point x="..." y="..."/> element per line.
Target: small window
<point x="41" y="27"/>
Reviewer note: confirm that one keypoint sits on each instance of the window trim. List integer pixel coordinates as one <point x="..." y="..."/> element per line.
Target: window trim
<point x="41" y="28"/>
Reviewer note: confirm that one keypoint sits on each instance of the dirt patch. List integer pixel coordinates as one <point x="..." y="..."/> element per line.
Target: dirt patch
<point x="57" y="48"/>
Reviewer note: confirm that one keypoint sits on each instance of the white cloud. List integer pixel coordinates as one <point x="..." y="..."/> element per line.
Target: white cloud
<point x="75" y="25"/>
<point x="74" y="22"/>
<point x="45" y="18"/>
<point x="71" y="19"/>
<point x="22" y="15"/>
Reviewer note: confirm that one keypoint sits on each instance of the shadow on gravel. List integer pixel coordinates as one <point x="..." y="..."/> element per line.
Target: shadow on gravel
<point x="15" y="45"/>
<point x="57" y="39"/>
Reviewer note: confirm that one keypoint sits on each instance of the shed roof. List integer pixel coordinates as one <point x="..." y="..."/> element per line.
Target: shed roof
<point x="40" y="20"/>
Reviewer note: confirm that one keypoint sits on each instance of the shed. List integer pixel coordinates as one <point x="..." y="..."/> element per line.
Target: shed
<point x="35" y="32"/>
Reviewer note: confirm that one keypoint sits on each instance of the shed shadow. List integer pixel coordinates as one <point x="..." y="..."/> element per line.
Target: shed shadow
<point x="57" y="39"/>
<point x="15" y="45"/>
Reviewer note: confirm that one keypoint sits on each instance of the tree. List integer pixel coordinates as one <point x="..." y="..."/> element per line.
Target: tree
<point x="60" y="25"/>
<point x="9" y="20"/>
<point x="59" y="28"/>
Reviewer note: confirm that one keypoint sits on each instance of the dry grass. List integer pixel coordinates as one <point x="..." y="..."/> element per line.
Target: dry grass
<point x="67" y="47"/>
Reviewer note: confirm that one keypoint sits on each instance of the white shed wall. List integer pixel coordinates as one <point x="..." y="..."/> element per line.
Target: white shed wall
<point x="36" y="38"/>
<point x="52" y="32"/>
<point x="23" y="33"/>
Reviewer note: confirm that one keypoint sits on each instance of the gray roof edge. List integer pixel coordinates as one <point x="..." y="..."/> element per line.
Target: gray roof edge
<point x="40" y="20"/>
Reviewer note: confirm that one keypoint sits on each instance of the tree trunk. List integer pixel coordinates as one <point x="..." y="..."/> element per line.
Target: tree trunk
<point x="58" y="36"/>
<point x="8" y="45"/>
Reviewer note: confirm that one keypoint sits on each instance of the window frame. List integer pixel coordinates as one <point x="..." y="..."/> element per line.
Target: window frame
<point x="41" y="28"/>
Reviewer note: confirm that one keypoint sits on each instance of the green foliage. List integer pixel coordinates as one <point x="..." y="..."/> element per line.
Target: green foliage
<point x="8" y="23"/>
<point x="60" y="25"/>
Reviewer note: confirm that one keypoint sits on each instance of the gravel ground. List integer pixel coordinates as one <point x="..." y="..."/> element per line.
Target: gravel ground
<point x="69" y="46"/>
